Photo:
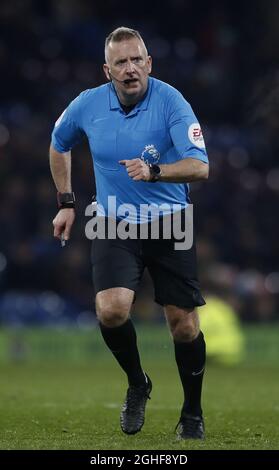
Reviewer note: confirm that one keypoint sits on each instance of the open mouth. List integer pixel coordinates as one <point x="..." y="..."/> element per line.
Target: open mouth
<point x="130" y="80"/>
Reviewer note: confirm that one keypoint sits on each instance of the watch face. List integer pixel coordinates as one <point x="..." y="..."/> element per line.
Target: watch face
<point x="155" y="172"/>
<point x="156" y="169"/>
<point x="66" y="197"/>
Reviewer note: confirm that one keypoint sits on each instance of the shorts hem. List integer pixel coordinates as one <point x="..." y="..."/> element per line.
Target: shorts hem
<point x="164" y="302"/>
<point x="114" y="287"/>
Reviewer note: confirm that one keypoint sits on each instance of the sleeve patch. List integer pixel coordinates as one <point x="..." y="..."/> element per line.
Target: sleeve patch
<point x="195" y="135"/>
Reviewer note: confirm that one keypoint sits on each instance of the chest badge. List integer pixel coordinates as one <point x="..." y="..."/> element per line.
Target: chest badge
<point x="150" y="154"/>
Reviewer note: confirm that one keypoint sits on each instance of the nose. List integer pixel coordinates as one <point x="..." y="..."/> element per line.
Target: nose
<point x="130" y="67"/>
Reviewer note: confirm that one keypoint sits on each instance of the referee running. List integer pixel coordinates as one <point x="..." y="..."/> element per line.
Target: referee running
<point x="146" y="145"/>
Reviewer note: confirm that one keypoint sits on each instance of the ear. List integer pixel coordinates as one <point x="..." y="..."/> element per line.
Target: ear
<point x="106" y="71"/>
<point x="149" y="64"/>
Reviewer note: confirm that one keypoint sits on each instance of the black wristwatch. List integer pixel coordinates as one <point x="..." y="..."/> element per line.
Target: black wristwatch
<point x="66" y="200"/>
<point x="155" y="173"/>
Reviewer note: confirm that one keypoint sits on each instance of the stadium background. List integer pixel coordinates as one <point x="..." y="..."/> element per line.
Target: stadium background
<point x="222" y="55"/>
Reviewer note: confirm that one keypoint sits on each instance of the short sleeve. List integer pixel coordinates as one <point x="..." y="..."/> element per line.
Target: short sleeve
<point x="67" y="130"/>
<point x="184" y="128"/>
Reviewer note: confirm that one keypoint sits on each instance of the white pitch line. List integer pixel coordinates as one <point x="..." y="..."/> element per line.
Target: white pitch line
<point x="153" y="407"/>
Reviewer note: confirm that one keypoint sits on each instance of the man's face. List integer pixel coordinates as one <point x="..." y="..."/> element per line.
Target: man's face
<point x="128" y="60"/>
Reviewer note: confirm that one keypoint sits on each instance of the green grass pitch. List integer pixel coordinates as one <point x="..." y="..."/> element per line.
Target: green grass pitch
<point x="60" y="399"/>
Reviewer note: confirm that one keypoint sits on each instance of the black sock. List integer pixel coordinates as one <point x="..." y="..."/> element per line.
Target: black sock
<point x="122" y="341"/>
<point x="190" y="359"/>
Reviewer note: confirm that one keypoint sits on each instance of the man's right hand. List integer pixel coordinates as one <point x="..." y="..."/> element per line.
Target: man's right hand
<point x="63" y="223"/>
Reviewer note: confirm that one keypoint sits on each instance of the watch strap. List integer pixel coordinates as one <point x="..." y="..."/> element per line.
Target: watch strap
<point x="155" y="173"/>
<point x="66" y="200"/>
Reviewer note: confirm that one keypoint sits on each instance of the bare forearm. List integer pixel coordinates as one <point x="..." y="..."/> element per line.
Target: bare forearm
<point x="60" y="166"/>
<point x="184" y="171"/>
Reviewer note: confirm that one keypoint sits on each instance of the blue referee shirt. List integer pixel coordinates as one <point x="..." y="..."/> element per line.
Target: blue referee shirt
<point x="161" y="128"/>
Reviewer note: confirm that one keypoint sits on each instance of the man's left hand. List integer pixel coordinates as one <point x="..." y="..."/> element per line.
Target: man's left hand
<point x="137" y="169"/>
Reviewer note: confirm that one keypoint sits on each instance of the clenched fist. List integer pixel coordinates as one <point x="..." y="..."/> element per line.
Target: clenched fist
<point x="137" y="169"/>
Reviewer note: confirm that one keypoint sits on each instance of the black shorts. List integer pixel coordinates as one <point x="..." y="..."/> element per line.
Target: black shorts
<point x="120" y="263"/>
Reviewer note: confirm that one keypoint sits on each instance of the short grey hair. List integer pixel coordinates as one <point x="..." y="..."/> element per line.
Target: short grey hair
<point x="120" y="34"/>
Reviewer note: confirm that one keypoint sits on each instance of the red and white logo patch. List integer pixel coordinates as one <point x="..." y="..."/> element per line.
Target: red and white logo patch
<point x="195" y="135"/>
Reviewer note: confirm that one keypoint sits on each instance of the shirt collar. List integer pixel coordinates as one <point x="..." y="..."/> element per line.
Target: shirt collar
<point x="140" y="106"/>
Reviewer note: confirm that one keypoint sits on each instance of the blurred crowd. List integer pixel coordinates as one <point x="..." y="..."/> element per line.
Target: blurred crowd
<point x="221" y="57"/>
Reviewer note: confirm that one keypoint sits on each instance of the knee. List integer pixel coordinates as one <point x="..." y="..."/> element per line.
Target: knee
<point x="112" y="314"/>
<point x="111" y="317"/>
<point x="185" y="329"/>
<point x="186" y="334"/>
